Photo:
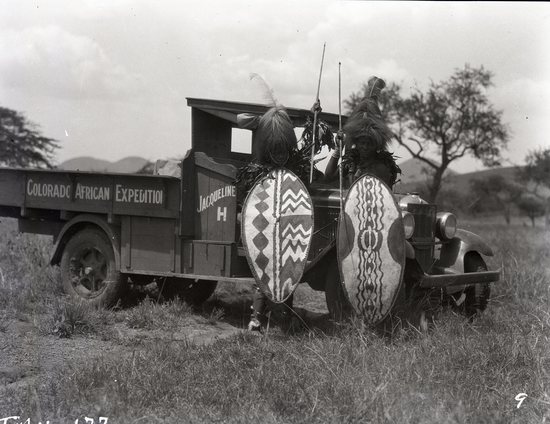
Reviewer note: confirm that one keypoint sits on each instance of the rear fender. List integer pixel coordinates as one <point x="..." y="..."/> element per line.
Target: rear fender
<point x="78" y="223"/>
<point x="454" y="252"/>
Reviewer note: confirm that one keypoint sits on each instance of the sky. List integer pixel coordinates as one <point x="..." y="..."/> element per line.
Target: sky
<point x="110" y="78"/>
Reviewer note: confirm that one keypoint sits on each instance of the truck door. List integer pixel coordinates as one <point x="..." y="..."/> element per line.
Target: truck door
<point x="209" y="212"/>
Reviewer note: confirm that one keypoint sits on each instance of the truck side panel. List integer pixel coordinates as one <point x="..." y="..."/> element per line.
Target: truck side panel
<point x="114" y="194"/>
<point x="149" y="244"/>
<point x="216" y="200"/>
<point x="146" y="197"/>
<point x="207" y="258"/>
<point x="209" y="203"/>
<point x="12" y="187"/>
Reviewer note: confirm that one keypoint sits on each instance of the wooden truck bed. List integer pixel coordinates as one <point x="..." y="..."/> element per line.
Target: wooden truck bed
<point x="74" y="191"/>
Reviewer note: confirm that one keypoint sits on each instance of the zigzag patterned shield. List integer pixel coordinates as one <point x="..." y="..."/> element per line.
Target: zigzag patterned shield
<point x="371" y="248"/>
<point x="277" y="226"/>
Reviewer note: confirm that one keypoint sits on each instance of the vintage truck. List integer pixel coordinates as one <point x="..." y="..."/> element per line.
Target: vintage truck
<point x="184" y="232"/>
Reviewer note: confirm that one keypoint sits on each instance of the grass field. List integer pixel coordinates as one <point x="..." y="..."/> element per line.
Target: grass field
<point x="60" y="361"/>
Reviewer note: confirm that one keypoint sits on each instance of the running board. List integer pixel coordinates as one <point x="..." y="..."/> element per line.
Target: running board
<point x="446" y="280"/>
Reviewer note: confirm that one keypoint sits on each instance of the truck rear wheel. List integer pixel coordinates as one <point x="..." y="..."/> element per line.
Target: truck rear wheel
<point x="338" y="305"/>
<point x="190" y="291"/>
<point x="88" y="269"/>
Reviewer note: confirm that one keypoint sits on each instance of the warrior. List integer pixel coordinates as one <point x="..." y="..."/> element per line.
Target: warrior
<point x="366" y="138"/>
<point x="273" y="143"/>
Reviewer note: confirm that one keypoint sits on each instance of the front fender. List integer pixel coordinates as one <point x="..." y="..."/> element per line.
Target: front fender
<point x="76" y="224"/>
<point x="453" y="253"/>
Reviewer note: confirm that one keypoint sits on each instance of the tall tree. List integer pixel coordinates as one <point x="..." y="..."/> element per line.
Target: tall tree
<point x="22" y="144"/>
<point x="448" y="121"/>
<point x="537" y="172"/>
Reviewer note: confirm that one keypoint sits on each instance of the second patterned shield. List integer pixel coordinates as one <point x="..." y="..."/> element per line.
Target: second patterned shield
<point x="277" y="226"/>
<point x="371" y="248"/>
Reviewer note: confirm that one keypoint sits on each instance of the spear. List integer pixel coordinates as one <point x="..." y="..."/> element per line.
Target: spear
<point x="340" y="136"/>
<point x="315" y="117"/>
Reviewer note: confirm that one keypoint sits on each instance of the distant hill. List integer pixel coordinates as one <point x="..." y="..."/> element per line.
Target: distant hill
<point x="84" y="163"/>
<point x="412" y="170"/>
<point x="128" y="165"/>
<point x="460" y="182"/>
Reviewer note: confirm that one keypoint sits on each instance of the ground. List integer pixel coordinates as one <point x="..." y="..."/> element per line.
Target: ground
<point x="150" y="360"/>
<point x="28" y="351"/>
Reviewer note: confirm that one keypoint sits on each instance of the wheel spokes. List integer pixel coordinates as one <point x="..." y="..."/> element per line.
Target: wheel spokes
<point x="89" y="271"/>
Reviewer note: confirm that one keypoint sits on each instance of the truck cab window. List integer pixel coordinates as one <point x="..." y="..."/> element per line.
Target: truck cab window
<point x="241" y="141"/>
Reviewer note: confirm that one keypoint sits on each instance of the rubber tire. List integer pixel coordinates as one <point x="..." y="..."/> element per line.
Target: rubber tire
<point x="191" y="292"/>
<point x="477" y="295"/>
<point x="114" y="285"/>
<point x="338" y="305"/>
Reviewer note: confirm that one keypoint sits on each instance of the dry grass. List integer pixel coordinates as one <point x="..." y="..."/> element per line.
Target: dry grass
<point x="27" y="282"/>
<point x="458" y="372"/>
<point x="151" y="315"/>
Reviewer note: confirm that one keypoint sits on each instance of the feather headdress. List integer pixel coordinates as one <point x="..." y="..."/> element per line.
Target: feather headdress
<point x="276" y="137"/>
<point x="367" y="138"/>
<point x="275" y="132"/>
<point x="274" y="145"/>
<point x="366" y="126"/>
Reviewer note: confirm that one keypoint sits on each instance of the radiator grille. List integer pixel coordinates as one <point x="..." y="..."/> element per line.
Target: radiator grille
<point x="423" y="239"/>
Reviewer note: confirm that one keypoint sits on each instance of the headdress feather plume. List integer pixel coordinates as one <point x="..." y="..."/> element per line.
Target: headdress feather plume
<point x="375" y="86"/>
<point x="268" y="92"/>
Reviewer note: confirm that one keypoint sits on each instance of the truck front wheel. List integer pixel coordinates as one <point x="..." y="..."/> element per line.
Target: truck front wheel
<point x="477" y="296"/>
<point x="88" y="269"/>
<point x="474" y="297"/>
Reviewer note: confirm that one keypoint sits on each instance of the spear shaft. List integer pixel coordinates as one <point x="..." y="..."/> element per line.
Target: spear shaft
<point x="340" y="141"/>
<point x="315" y="118"/>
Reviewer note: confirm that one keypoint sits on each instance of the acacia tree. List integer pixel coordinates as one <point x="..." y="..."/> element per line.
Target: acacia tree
<point x="537" y="168"/>
<point x="537" y="171"/>
<point x="448" y="121"/>
<point x="500" y="193"/>
<point x="21" y="143"/>
<point x="532" y="207"/>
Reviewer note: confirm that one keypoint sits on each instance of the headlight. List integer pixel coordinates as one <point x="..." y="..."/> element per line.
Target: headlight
<point x="446" y="225"/>
<point x="408" y="223"/>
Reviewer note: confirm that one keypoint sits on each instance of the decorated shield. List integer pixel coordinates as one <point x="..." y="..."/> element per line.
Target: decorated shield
<point x="277" y="226"/>
<point x="371" y="248"/>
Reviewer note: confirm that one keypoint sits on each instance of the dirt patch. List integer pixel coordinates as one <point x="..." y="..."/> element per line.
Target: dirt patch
<point x="194" y="334"/>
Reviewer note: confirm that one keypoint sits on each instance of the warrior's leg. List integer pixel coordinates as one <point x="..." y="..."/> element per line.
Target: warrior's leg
<point x="259" y="303"/>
